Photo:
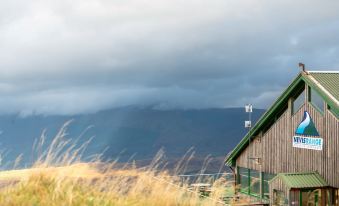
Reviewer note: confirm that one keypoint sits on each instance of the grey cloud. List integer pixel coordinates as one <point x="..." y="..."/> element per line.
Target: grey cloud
<point x="83" y="56"/>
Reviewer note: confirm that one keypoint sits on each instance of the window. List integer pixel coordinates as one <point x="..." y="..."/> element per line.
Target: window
<point x="298" y="102"/>
<point x="250" y="182"/>
<point x="243" y="179"/>
<point x="255" y="182"/>
<point x="266" y="178"/>
<point x="316" y="100"/>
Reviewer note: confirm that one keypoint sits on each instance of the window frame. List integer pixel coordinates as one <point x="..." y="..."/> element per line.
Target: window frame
<point x="313" y="91"/>
<point x="301" y="93"/>
<point x="247" y="174"/>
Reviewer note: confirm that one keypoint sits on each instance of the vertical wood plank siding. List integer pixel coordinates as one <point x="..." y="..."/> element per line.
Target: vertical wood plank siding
<point x="278" y="184"/>
<point x="278" y="156"/>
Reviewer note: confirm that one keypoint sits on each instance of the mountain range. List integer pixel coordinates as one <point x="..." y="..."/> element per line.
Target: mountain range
<point x="130" y="132"/>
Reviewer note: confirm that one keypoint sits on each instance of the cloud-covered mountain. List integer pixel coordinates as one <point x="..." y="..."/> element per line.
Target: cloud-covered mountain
<point x="129" y="131"/>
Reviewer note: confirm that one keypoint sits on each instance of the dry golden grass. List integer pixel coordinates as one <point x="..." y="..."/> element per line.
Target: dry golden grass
<point x="83" y="184"/>
<point x="60" y="179"/>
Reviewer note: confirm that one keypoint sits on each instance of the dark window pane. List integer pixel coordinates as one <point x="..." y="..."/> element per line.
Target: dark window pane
<point x="243" y="179"/>
<point x="266" y="177"/>
<point x="317" y="100"/>
<point x="254" y="173"/>
<point x="255" y="182"/>
<point x="243" y="171"/>
<point x="298" y="102"/>
<point x="255" y="186"/>
<point x="244" y="183"/>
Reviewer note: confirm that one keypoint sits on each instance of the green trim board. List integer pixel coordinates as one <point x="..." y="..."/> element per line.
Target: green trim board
<point x="302" y="180"/>
<point x="281" y="102"/>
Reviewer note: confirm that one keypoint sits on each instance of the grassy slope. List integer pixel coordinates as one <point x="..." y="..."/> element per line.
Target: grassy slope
<point x="84" y="184"/>
<point x="58" y="178"/>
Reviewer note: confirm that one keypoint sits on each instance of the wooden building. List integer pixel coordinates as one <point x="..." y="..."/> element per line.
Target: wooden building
<point x="291" y="155"/>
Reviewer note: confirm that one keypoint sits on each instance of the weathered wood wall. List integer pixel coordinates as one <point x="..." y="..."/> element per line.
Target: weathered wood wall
<point x="278" y="184"/>
<point x="274" y="147"/>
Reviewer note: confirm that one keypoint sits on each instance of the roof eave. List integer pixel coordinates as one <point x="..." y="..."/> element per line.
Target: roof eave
<point x="303" y="76"/>
<point x="265" y="116"/>
<point x="284" y="178"/>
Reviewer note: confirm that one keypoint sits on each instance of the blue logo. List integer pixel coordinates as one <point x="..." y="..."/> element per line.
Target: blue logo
<point x="306" y="127"/>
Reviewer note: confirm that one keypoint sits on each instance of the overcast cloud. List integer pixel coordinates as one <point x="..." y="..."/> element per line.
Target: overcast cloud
<point x="67" y="57"/>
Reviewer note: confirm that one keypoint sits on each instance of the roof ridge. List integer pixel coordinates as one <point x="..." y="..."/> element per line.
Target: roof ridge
<point x="329" y="72"/>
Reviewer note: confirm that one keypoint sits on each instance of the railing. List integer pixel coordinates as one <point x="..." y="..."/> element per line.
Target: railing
<point x="205" y="178"/>
<point x="203" y="184"/>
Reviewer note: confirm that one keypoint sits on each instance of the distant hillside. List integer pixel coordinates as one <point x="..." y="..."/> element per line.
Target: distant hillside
<point x="132" y="131"/>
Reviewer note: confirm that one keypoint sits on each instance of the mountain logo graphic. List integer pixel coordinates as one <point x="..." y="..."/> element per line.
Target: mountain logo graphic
<point x="306" y="127"/>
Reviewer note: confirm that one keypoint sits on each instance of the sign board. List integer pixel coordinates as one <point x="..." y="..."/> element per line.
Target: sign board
<point x="307" y="136"/>
<point x="308" y="142"/>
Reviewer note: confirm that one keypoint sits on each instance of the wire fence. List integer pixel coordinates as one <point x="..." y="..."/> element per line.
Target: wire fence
<point x="204" y="178"/>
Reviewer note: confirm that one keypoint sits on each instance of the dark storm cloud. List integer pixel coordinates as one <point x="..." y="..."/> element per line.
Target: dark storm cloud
<point x="83" y="56"/>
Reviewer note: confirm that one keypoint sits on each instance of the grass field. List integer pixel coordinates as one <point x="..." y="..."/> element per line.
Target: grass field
<point x="83" y="184"/>
<point x="59" y="178"/>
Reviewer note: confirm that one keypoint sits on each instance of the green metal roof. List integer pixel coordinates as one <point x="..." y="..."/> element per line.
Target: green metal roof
<point x="302" y="180"/>
<point x="329" y="80"/>
<point x="325" y="83"/>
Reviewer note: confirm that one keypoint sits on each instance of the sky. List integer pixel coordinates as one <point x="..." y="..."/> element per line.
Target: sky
<point x="83" y="56"/>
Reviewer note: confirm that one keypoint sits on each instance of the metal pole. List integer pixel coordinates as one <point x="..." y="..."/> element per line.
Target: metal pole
<point x="248" y="158"/>
<point x="248" y="124"/>
<point x="248" y="109"/>
<point x="261" y="183"/>
<point x="249" y="135"/>
<point x="249" y="149"/>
